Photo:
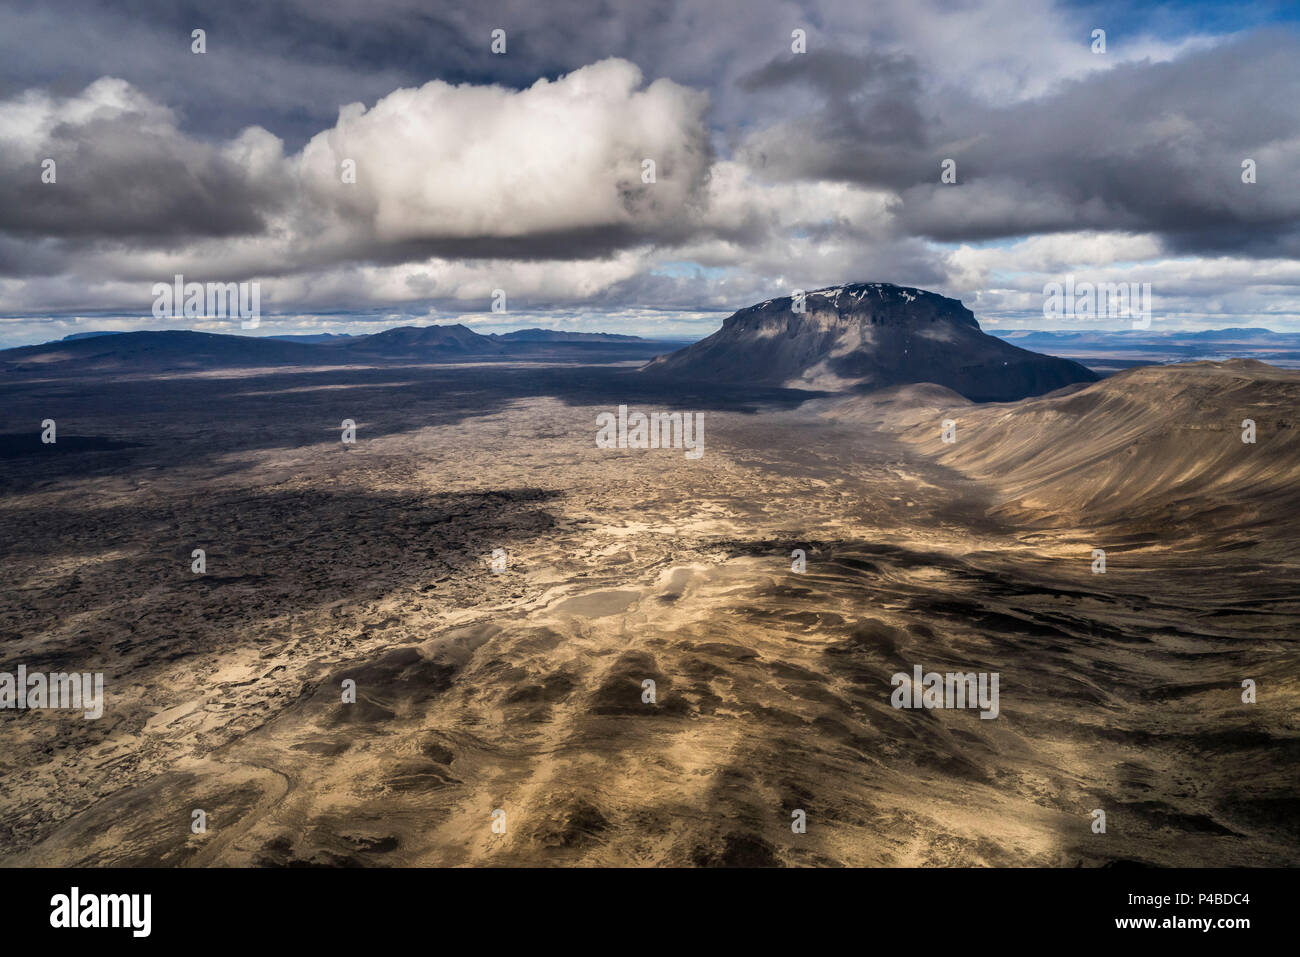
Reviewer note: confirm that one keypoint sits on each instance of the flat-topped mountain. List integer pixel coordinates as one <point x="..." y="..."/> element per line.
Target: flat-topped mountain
<point x="418" y="341"/>
<point x="866" y="336"/>
<point x="155" y="351"/>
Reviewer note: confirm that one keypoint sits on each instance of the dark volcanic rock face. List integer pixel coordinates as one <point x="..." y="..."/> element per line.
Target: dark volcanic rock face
<point x="866" y="336"/>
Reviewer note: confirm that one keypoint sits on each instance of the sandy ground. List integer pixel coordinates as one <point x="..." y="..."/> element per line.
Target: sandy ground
<point x="522" y="690"/>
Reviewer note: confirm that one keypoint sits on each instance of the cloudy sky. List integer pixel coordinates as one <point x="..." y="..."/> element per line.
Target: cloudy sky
<point x="522" y="171"/>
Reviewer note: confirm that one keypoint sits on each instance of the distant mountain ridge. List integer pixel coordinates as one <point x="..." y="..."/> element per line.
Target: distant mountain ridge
<point x="562" y="335"/>
<point x="186" y="350"/>
<point x="1232" y="332"/>
<point x="74" y="336"/>
<point x="168" y="350"/>
<point x="1107" y="349"/>
<point x="865" y="336"/>
<point x="314" y="337"/>
<point x="416" y="340"/>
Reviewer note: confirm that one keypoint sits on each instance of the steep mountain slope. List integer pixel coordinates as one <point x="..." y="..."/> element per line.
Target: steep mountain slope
<point x="868" y="336"/>
<point x="1158" y="443"/>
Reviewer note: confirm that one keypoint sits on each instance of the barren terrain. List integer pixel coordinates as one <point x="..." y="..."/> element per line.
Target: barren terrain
<point x="523" y="690"/>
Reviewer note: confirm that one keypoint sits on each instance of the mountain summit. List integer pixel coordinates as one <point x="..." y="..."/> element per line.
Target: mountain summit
<point x="865" y="336"/>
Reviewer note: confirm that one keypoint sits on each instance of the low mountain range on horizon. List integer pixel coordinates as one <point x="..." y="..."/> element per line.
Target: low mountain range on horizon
<point x="533" y="334"/>
<point x="173" y="349"/>
<point x="183" y="349"/>
<point x="311" y="337"/>
<point x="564" y="335"/>
<point x="1228" y="334"/>
<point x="1109" y="350"/>
<point x="865" y="336"/>
<point x="416" y="341"/>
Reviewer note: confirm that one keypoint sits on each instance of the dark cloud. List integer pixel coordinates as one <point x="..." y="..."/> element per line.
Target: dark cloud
<point x="1141" y="147"/>
<point x="777" y="169"/>
<point x="288" y="66"/>
<point x="119" y="183"/>
<point x="865" y="123"/>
